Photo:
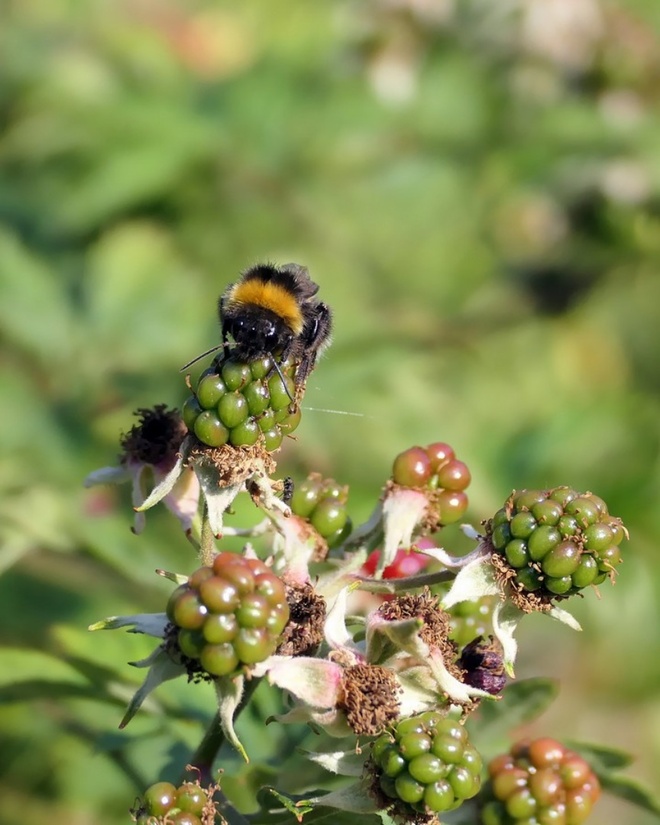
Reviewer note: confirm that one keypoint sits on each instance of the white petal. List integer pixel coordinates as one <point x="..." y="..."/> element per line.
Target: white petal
<point x="335" y="631"/>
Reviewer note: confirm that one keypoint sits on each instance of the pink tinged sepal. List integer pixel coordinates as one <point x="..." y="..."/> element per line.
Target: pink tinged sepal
<point x="293" y="545"/>
<point x="183" y="500"/>
<point x="313" y="681"/>
<point x="229" y="691"/>
<point x="403" y="511"/>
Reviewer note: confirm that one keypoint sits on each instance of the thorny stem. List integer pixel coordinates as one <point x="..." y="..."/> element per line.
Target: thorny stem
<point x="213" y="739"/>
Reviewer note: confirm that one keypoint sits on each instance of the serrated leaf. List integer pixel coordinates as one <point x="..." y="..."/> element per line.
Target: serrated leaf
<point x="632" y="791"/>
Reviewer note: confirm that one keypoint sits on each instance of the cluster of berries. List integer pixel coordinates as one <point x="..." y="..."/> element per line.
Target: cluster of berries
<point x="557" y="541"/>
<point x="186" y="805"/>
<point x="427" y="764"/>
<point x="323" y="502"/>
<point x="435" y="468"/>
<point x="240" y="403"/>
<point x="539" y="782"/>
<point x="230" y="614"/>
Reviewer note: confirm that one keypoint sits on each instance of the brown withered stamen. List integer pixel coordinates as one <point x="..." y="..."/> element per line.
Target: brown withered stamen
<point x="368" y="696"/>
<point x="304" y="631"/>
<point x="156" y="438"/>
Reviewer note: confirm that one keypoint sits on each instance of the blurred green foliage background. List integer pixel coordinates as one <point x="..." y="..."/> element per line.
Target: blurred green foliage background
<point x="476" y="187"/>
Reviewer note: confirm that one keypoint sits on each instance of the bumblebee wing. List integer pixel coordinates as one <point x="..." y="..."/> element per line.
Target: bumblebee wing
<point x="304" y="286"/>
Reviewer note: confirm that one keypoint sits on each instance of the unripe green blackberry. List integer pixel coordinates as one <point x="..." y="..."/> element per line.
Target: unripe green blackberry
<point x="322" y="502"/>
<point x="230" y="614"/>
<point x="556" y="541"/>
<point x="188" y="804"/>
<point x="242" y="403"/>
<point x="468" y="620"/>
<point x="541" y="782"/>
<point x="425" y="766"/>
<point x="435" y="468"/>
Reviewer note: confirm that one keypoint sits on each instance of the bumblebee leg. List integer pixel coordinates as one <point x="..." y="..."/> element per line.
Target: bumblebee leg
<point x="313" y="339"/>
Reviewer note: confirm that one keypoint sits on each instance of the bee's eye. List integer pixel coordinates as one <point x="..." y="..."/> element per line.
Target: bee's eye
<point x="271" y="335"/>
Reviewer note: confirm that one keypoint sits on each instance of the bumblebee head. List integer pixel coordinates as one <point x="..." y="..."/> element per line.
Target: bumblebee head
<point x="256" y="331"/>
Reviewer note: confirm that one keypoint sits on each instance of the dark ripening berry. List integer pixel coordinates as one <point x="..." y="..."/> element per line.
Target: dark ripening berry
<point x="160" y="798"/>
<point x="439" y="454"/>
<point x="452" y="505"/>
<point x="412" y="468"/>
<point x="454" y="475"/>
<point x="191" y="798"/>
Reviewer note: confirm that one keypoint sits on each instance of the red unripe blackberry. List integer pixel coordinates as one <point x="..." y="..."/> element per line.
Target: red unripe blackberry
<point x="539" y="781"/>
<point x="230" y="614"/>
<point x="436" y="469"/>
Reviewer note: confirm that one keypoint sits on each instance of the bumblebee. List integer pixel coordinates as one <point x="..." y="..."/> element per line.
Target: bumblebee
<point x="272" y="311"/>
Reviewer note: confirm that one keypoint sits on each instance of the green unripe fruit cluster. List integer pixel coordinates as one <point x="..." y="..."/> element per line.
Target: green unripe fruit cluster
<point x="539" y="782"/>
<point x="181" y="806"/>
<point x="435" y="468"/>
<point x="230" y="614"/>
<point x="323" y="503"/>
<point x="467" y="620"/>
<point x="558" y="541"/>
<point x="240" y="404"/>
<point x="428" y="764"/>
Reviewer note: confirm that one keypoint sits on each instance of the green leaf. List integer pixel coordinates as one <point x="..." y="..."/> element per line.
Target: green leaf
<point x="602" y="758"/>
<point x="632" y="791"/>
<point x="521" y="702"/>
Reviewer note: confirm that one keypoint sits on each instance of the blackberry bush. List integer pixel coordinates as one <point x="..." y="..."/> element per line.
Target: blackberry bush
<point x="388" y="644"/>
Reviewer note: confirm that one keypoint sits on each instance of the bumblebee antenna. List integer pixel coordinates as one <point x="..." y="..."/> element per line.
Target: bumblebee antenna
<point x="203" y="355"/>
<point x="282" y="379"/>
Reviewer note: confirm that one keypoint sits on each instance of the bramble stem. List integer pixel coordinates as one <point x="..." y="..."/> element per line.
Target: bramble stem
<point x="207" y="540"/>
<point x="213" y="739"/>
<point x="410" y="582"/>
